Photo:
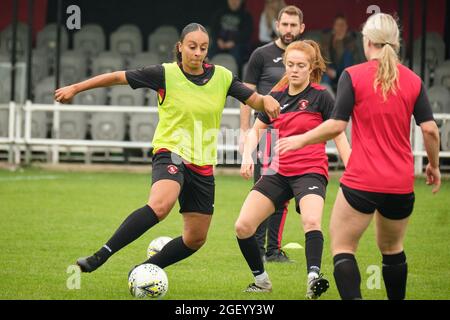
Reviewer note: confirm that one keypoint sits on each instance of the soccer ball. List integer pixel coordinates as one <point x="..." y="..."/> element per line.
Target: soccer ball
<point x="156" y="245"/>
<point x="148" y="281"/>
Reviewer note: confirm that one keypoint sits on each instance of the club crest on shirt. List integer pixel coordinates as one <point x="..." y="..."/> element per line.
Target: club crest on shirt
<point x="172" y="169"/>
<point x="303" y="104"/>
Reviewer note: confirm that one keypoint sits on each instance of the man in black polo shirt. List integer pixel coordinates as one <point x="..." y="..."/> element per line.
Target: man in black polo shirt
<point x="265" y="68"/>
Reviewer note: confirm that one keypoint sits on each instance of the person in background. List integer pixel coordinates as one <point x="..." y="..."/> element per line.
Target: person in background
<point x="232" y="29"/>
<point x="267" y="22"/>
<point x="339" y="48"/>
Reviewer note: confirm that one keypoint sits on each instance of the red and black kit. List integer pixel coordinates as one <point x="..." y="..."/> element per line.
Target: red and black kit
<point x="305" y="171"/>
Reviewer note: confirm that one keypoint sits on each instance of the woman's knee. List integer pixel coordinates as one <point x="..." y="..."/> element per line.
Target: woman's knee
<point x="244" y="229"/>
<point x="311" y="224"/>
<point x="160" y="207"/>
<point x="390" y="246"/>
<point x="194" y="242"/>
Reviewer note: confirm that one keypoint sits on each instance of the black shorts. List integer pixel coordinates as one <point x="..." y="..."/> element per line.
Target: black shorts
<point x="390" y="206"/>
<point x="280" y="189"/>
<point x="197" y="191"/>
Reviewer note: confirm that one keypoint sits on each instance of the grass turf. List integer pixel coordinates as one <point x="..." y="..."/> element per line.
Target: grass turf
<point x="49" y="219"/>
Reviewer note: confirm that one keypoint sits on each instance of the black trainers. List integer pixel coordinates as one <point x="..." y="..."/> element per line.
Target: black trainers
<point x="315" y="286"/>
<point x="278" y="256"/>
<point x="90" y="264"/>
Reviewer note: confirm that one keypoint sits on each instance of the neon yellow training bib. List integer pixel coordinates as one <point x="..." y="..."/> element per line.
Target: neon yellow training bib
<point x="190" y="115"/>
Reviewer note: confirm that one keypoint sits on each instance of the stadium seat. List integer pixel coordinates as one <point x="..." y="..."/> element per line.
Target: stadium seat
<point x="143" y="59"/>
<point x="131" y="28"/>
<point x="4" y="57"/>
<point x="44" y="94"/>
<point x="73" y="66"/>
<point x="5" y="85"/>
<point x="442" y="75"/>
<point x="435" y="50"/>
<point x="41" y="68"/>
<point x="90" y="40"/>
<point x="445" y="136"/>
<point x="143" y="126"/>
<point x="417" y="68"/>
<point x="232" y="103"/>
<point x="229" y="128"/>
<point x="22" y="39"/>
<point x="5" y="82"/>
<point x="226" y="60"/>
<point x="126" y="42"/>
<point x="162" y="42"/>
<point x="107" y="62"/>
<point x="439" y="97"/>
<point x="72" y="125"/>
<point x="108" y="126"/>
<point x="125" y="96"/>
<point x="4" y="121"/>
<point x="46" y="39"/>
<point x="45" y="91"/>
<point x="94" y="97"/>
<point x="111" y="126"/>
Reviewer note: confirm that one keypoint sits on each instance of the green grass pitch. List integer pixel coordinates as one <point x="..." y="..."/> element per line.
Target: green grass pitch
<point x="49" y="219"/>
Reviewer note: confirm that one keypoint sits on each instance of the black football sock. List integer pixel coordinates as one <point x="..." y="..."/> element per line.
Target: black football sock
<point x="132" y="228"/>
<point x="313" y="250"/>
<point x="260" y="236"/>
<point x="275" y="230"/>
<point x="174" y="251"/>
<point x="395" y="273"/>
<point x="250" y="251"/>
<point x="347" y="276"/>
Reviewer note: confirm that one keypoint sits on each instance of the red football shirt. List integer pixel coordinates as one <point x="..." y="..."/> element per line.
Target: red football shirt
<point x="381" y="159"/>
<point x="299" y="114"/>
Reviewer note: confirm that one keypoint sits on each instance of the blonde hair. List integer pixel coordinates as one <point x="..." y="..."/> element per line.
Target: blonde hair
<point x="271" y="13"/>
<point x="383" y="32"/>
<point x="316" y="61"/>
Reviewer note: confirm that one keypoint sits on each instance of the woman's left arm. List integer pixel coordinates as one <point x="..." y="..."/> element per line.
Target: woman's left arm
<point x="326" y="131"/>
<point x="267" y="104"/>
<point x="343" y="147"/>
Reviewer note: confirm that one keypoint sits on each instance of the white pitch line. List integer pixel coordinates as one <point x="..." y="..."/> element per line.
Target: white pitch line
<point x="29" y="178"/>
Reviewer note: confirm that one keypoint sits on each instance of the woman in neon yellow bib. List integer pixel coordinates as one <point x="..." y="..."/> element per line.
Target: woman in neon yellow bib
<point x="192" y="95"/>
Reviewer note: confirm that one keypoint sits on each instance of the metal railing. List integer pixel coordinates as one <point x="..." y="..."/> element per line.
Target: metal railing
<point x="17" y="140"/>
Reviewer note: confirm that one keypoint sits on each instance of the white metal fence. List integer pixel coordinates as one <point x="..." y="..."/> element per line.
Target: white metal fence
<point x="20" y="116"/>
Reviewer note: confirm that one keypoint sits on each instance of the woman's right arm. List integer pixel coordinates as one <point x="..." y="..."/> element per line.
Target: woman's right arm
<point x="66" y="94"/>
<point x="251" y="142"/>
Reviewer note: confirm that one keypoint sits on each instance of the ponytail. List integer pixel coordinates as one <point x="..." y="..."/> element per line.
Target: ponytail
<point x="318" y="63"/>
<point x="387" y="74"/>
<point x="383" y="32"/>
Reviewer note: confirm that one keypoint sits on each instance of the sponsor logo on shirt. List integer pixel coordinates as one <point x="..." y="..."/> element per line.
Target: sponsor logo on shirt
<point x="284" y="106"/>
<point x="313" y="188"/>
<point x="276" y="60"/>
<point x="303" y="104"/>
<point x="173" y="170"/>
